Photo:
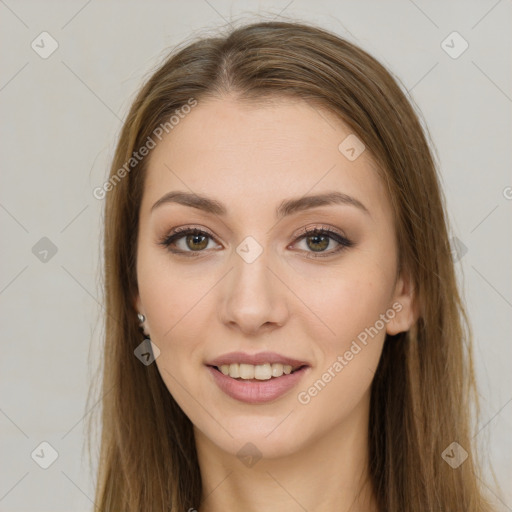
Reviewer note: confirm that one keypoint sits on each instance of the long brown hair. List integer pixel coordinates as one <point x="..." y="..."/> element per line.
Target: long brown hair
<point x="423" y="389"/>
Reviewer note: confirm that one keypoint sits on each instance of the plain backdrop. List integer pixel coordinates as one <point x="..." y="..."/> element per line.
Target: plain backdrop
<point x="60" y="118"/>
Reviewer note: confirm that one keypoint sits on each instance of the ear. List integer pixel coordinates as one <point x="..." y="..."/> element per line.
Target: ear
<point x="406" y="306"/>
<point x="137" y="304"/>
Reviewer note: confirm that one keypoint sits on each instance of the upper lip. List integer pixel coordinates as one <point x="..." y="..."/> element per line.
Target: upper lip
<point x="255" y="359"/>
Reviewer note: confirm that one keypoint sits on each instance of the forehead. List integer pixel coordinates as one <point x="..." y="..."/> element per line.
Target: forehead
<point x="253" y="155"/>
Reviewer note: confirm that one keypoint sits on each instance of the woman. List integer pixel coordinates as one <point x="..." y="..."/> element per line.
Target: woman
<point x="283" y="329"/>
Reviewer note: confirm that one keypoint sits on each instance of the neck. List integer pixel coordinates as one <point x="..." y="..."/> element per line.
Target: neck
<point x="329" y="473"/>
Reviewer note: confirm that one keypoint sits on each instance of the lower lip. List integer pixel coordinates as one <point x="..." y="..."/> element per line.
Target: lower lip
<point x="256" y="392"/>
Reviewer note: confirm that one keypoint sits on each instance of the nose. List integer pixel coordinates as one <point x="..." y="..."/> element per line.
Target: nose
<point x="253" y="297"/>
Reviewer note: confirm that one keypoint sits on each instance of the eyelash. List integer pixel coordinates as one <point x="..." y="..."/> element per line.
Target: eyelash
<point x="178" y="233"/>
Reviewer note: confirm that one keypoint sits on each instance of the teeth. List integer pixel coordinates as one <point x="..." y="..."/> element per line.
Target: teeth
<point x="260" y="371"/>
<point x="234" y="371"/>
<point x="277" y="370"/>
<point x="263" y="371"/>
<point x="246" y="371"/>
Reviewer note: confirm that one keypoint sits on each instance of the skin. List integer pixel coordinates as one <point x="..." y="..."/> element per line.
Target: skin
<point x="251" y="158"/>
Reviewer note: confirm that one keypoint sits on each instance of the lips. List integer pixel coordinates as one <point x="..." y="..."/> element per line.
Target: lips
<point x="256" y="359"/>
<point x="262" y="388"/>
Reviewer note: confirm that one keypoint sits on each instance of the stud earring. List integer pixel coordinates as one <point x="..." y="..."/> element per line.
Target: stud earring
<point x="142" y="319"/>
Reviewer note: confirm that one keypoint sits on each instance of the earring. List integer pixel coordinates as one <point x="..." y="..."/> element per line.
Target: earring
<point x="142" y="319"/>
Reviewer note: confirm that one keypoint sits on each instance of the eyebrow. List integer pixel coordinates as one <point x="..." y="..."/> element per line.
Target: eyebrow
<point x="287" y="207"/>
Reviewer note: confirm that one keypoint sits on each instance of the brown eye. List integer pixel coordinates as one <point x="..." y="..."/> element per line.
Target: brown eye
<point x="196" y="241"/>
<point x="187" y="241"/>
<point x="318" y="240"/>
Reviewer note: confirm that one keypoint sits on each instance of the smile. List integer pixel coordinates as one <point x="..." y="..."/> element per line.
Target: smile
<point x="264" y="371"/>
<point x="253" y="390"/>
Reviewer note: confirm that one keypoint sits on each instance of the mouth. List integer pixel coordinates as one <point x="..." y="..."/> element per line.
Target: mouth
<point x="258" y="379"/>
<point x="258" y="372"/>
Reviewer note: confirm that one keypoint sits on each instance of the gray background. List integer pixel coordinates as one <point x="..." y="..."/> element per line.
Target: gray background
<point x="60" y="117"/>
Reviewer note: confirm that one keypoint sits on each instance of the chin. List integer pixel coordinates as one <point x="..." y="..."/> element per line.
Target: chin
<point x="257" y="436"/>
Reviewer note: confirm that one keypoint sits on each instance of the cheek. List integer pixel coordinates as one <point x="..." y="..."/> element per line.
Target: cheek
<point x="352" y="306"/>
<point x="169" y="291"/>
<point x="347" y="359"/>
<point x="345" y="300"/>
<point x="177" y="313"/>
<point x="179" y="316"/>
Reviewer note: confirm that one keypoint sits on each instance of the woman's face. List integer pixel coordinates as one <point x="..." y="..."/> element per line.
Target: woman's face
<point x="252" y="293"/>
